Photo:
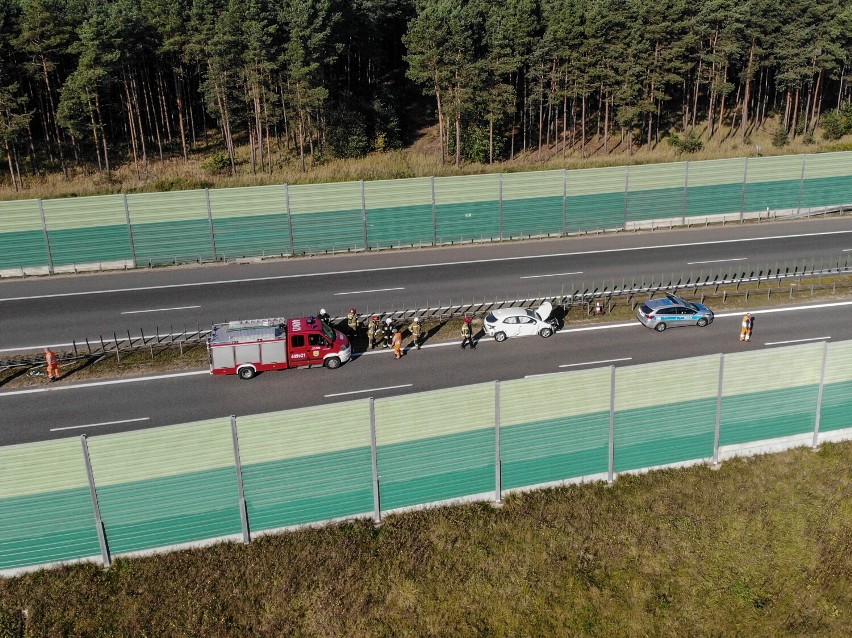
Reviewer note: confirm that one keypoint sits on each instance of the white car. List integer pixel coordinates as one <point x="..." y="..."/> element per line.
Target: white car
<point x="520" y="322"/>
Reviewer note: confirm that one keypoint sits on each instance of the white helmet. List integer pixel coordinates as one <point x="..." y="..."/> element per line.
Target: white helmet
<point x="322" y="311"/>
<point x="388" y="321"/>
<point x="416" y="320"/>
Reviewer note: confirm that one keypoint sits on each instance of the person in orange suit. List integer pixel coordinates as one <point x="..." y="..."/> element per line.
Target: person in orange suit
<point x="397" y="343"/>
<point x="745" y="331"/>
<point x="52" y="362"/>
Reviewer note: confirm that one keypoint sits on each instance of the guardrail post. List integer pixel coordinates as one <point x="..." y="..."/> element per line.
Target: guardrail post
<point x="626" y="190"/>
<point x="611" y="470"/>
<point x="130" y="230"/>
<point x="819" y="394"/>
<point x="743" y="196"/>
<point x="801" y="184"/>
<point x="210" y="220"/>
<point x="498" y="463"/>
<point x="434" y="213"/>
<point x="500" y="209"/>
<point x="374" y="454"/>
<point x="364" y="216"/>
<point x="289" y="217"/>
<point x="564" y="201"/>
<point x="46" y="237"/>
<point x="93" y="490"/>
<point x="718" y="429"/>
<point x="685" y="207"/>
<point x="238" y="466"/>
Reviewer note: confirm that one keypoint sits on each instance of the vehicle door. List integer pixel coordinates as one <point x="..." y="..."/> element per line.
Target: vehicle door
<point x="318" y="347"/>
<point x="510" y="326"/>
<point x="298" y="350"/>
<point x="527" y="325"/>
<point x="679" y="315"/>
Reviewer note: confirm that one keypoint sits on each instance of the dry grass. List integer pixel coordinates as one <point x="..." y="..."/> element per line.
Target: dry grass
<point x="419" y="160"/>
<point x="760" y="548"/>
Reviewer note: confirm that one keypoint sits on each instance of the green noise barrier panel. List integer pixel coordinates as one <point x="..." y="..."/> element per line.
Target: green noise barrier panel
<point x="148" y="229"/>
<point x="46" y="512"/>
<point x="769" y="394"/>
<point x="399" y="212"/>
<point x="554" y="428"/>
<point x="657" y="426"/>
<point x="166" y="486"/>
<point x="435" y="445"/>
<point x="250" y="221"/>
<point x="22" y="237"/>
<point x="836" y="408"/>
<point x="306" y="465"/>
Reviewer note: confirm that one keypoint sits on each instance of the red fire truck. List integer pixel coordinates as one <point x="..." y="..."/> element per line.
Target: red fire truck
<point x="245" y="348"/>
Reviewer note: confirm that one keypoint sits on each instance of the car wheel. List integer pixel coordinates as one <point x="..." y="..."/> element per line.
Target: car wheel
<point x="332" y="363"/>
<point x="246" y="373"/>
<point x="660" y="327"/>
<point x="545" y="332"/>
<point x="499" y="336"/>
<point x="702" y="322"/>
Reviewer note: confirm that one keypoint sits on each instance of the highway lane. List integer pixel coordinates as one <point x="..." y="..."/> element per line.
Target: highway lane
<point x="38" y="311"/>
<point x="67" y="409"/>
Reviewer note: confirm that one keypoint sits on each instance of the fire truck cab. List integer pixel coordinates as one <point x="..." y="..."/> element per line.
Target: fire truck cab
<point x="245" y="348"/>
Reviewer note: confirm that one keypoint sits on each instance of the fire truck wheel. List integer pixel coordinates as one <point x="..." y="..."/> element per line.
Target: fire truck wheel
<point x="246" y="373"/>
<point x="332" y="362"/>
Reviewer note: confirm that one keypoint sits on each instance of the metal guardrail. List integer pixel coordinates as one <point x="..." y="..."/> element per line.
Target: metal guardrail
<point x="583" y="295"/>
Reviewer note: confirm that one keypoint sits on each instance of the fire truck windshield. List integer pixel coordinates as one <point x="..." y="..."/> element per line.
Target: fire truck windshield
<point x="328" y="331"/>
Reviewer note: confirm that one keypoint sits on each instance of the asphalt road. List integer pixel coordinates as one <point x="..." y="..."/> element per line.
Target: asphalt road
<point x="39" y="311"/>
<point x="65" y="410"/>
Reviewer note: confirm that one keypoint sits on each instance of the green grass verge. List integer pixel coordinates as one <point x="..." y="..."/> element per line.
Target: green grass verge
<point x="761" y="547"/>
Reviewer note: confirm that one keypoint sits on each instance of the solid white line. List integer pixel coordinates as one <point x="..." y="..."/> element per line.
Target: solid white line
<point x="559" y="274"/>
<point x="846" y="250"/>
<point x="361" y="292"/>
<point x="769" y="311"/>
<point x="77" y="386"/>
<point x="136" y="312"/>
<point x="433" y="265"/>
<point x="716" y="261"/>
<point x="94" y="425"/>
<point x="778" y="343"/>
<point x="390" y="387"/>
<point x="589" y="363"/>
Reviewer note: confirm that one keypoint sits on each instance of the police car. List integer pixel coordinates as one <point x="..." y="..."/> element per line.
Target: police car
<point x="670" y="311"/>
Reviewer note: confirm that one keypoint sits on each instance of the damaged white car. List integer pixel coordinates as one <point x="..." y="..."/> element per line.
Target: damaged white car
<point x="520" y="322"/>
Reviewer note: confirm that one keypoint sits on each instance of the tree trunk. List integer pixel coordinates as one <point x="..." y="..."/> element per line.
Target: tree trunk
<point x="747" y="93"/>
<point x="52" y="115"/>
<point x="817" y="98"/>
<point x="131" y="126"/>
<point x="102" y="129"/>
<point x="179" y="101"/>
<point x="11" y="166"/>
<point x="440" y="116"/>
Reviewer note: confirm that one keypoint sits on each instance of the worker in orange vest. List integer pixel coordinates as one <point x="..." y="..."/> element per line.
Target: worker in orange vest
<point x="52" y="362"/>
<point x="397" y="343"/>
<point x="745" y="332"/>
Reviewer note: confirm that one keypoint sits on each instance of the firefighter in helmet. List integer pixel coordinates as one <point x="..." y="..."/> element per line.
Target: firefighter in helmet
<point x="324" y="316"/>
<point x="352" y="322"/>
<point x="416" y="330"/>
<point x="467" y="334"/>
<point x="387" y="332"/>
<point x="373" y="330"/>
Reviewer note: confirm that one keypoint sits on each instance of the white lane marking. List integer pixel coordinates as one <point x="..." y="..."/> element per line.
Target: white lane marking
<point x="846" y="250"/>
<point x="77" y="386"/>
<point x="136" y="312"/>
<point x="559" y="274"/>
<point x="716" y="261"/>
<point x="768" y="311"/>
<point x="361" y="292"/>
<point x="778" y="343"/>
<point x="94" y="425"/>
<point x="390" y="387"/>
<point x="591" y="363"/>
<point x="432" y="265"/>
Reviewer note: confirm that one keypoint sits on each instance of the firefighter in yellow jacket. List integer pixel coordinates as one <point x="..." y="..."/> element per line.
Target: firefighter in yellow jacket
<point x="416" y="330"/>
<point x="467" y="334"/>
<point x="352" y="322"/>
<point x="373" y="330"/>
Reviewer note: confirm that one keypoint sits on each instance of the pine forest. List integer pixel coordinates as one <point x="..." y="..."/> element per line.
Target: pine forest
<point x="95" y="84"/>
